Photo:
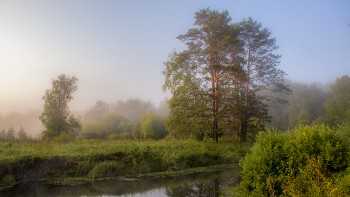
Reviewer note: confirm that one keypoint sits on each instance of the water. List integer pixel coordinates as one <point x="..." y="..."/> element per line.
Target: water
<point x="197" y="184"/>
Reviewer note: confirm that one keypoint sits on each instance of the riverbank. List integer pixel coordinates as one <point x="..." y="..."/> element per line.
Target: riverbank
<point x="22" y="161"/>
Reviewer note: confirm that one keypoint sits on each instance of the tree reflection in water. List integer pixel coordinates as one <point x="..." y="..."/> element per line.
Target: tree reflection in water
<point x="213" y="187"/>
<point x="193" y="185"/>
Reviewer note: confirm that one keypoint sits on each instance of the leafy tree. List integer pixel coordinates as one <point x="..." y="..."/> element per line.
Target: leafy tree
<point x="152" y="126"/>
<point x="189" y="112"/>
<point x="10" y="135"/>
<point x="56" y="116"/>
<point x="136" y="130"/>
<point x="303" y="117"/>
<point x="98" y="111"/>
<point x="147" y="127"/>
<point x="338" y="108"/>
<point x="21" y="134"/>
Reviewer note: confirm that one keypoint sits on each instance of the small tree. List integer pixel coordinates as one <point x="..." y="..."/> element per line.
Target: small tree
<point x="10" y="135"/>
<point x="147" y="126"/>
<point x="303" y="117"/>
<point x="56" y="116"/>
<point x="96" y="113"/>
<point x="2" y="134"/>
<point x="21" y="134"/>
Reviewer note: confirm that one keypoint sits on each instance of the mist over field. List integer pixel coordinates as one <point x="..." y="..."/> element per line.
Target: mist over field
<point x="117" y="49"/>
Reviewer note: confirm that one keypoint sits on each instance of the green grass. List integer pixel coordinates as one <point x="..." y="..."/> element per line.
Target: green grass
<point x="105" y="158"/>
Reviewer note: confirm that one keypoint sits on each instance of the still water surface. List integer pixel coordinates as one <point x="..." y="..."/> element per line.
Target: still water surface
<point x="197" y="184"/>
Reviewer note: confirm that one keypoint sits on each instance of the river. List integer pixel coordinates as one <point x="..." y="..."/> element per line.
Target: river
<point x="196" y="184"/>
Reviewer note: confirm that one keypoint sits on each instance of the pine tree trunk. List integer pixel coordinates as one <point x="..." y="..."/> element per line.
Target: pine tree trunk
<point x="244" y="128"/>
<point x="214" y="107"/>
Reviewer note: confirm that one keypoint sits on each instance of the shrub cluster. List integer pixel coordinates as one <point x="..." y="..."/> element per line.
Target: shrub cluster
<point x="309" y="161"/>
<point x="116" y="126"/>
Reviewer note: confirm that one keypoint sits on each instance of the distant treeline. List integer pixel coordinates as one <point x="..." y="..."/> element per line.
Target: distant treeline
<point x="28" y="120"/>
<point x="309" y="104"/>
<point x="133" y="118"/>
<point x="312" y="104"/>
<point x="130" y="119"/>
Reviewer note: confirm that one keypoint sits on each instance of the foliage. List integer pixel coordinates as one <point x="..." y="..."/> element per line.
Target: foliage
<point x="305" y="105"/>
<point x="344" y="132"/>
<point x="147" y="127"/>
<point x="2" y="134"/>
<point x="279" y="157"/>
<point x="196" y="76"/>
<point x="10" y="135"/>
<point x="132" y="109"/>
<point x="121" y="136"/>
<point x="261" y="70"/>
<point x="313" y="181"/>
<point x="97" y="112"/>
<point x="64" y="137"/>
<point x="103" y="128"/>
<point x="303" y="117"/>
<point x="151" y="126"/>
<point x="136" y="130"/>
<point x="106" y="169"/>
<point x="338" y="108"/>
<point x="125" y="127"/>
<point x="214" y="83"/>
<point x="8" y="180"/>
<point x="56" y="116"/>
<point x="307" y="100"/>
<point x="21" y="134"/>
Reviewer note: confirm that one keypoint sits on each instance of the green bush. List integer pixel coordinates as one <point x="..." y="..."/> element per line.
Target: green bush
<point x="277" y="158"/>
<point x="63" y="137"/>
<point x="106" y="169"/>
<point x="311" y="181"/>
<point x="344" y="133"/>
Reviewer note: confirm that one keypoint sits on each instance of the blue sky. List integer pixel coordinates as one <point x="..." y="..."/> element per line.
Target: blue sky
<point x="117" y="48"/>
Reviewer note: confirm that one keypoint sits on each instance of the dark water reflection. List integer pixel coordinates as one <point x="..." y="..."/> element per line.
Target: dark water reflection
<point x="198" y="184"/>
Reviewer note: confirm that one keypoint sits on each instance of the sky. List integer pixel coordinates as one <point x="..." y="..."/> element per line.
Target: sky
<point x="117" y="48"/>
